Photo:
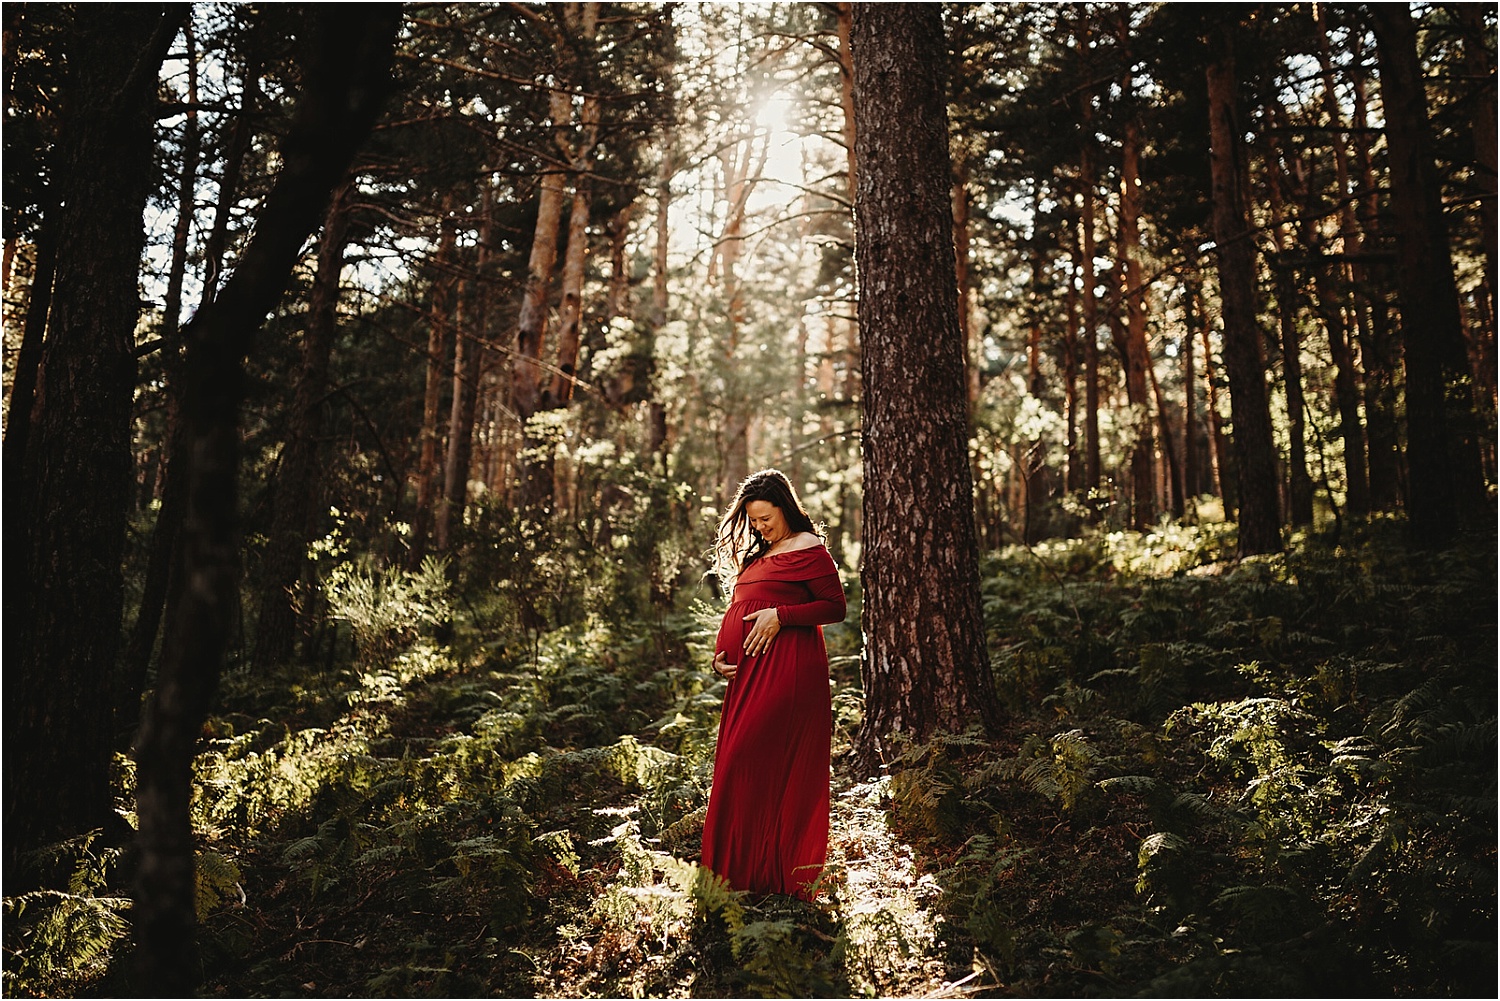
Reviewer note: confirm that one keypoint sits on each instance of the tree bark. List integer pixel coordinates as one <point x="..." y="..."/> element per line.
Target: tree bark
<point x="439" y="319"/>
<point x="28" y="364"/>
<point x="1190" y="476"/>
<point x="1446" y="489"/>
<point x="531" y="326"/>
<point x="62" y="616"/>
<point x="346" y="77"/>
<point x="299" y="477"/>
<point x="1091" y="457"/>
<point x="1378" y="345"/>
<point x="468" y="368"/>
<point x="162" y="585"/>
<point x="1299" y="483"/>
<point x="1244" y="362"/>
<point x="1136" y="353"/>
<point x="925" y="664"/>
<point x="575" y="258"/>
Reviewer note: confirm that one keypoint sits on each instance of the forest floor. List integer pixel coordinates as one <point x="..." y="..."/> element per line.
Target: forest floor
<point x="1268" y="777"/>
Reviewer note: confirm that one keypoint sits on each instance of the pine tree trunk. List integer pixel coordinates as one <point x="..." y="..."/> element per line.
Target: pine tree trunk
<point x="298" y="477"/>
<point x="1190" y="475"/>
<point x="163" y="585"/>
<point x="925" y="664"/>
<point x="1218" y="453"/>
<point x="28" y="363"/>
<point x="1378" y="346"/>
<point x="468" y="368"/>
<point x="1299" y="483"/>
<point x="439" y="320"/>
<point x="575" y="258"/>
<point x="1446" y="488"/>
<point x="1091" y="456"/>
<point x="531" y="327"/>
<point x="1074" y="477"/>
<point x="1346" y="393"/>
<point x="62" y="614"/>
<point x="1136" y="354"/>
<point x="347" y="75"/>
<point x="1244" y="362"/>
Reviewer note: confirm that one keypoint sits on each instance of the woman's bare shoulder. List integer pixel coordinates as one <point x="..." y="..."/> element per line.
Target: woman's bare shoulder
<point x="802" y="540"/>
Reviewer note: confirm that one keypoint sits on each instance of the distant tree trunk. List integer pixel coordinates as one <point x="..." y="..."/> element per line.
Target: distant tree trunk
<point x="925" y="663"/>
<point x="163" y="586"/>
<point x="346" y="76"/>
<point x="1345" y="391"/>
<point x="1299" y="484"/>
<point x="1446" y="489"/>
<point x="1332" y="295"/>
<point x="62" y="613"/>
<point x="1244" y="362"/>
<point x="1299" y="495"/>
<point x="468" y="369"/>
<point x="656" y="412"/>
<point x="439" y="320"/>
<point x="961" y="258"/>
<point x="1191" y="484"/>
<point x="1378" y="345"/>
<point x="1168" y="447"/>
<point x="1074" y="478"/>
<point x="299" y="476"/>
<point x="570" y="314"/>
<point x="1135" y="353"/>
<point x="531" y="327"/>
<point x="1091" y="459"/>
<point x="1218" y="453"/>
<point x="135" y="663"/>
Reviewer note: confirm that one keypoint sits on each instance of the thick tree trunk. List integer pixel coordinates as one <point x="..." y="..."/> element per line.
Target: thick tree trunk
<point x="62" y="616"/>
<point x="1446" y="489"/>
<point x="28" y="364"/>
<point x="346" y="77"/>
<point x="531" y="326"/>
<point x="575" y="259"/>
<point x="439" y="320"/>
<point x="299" y="478"/>
<point x="1244" y="362"/>
<point x="1479" y="65"/>
<point x="925" y="664"/>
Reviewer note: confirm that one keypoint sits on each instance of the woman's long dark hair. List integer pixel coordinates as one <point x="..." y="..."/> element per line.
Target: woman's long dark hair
<point x="737" y="545"/>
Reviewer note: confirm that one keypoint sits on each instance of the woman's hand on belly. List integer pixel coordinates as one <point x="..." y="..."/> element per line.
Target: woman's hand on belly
<point x="766" y="625"/>
<point x="725" y="670"/>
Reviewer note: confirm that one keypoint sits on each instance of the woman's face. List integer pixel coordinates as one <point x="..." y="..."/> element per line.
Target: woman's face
<point x="767" y="520"/>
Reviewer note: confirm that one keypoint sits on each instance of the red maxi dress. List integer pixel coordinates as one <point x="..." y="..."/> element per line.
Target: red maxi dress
<point x="767" y="824"/>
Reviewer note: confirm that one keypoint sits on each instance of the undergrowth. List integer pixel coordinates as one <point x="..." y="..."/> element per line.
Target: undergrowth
<point x="1274" y="776"/>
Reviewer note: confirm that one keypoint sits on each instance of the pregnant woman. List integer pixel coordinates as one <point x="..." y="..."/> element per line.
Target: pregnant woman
<point x="767" y="824"/>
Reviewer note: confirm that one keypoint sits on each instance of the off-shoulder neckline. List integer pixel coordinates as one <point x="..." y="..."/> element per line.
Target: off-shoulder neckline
<point x="800" y="549"/>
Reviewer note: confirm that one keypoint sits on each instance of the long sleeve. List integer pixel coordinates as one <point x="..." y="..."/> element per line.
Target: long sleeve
<point x="827" y="604"/>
